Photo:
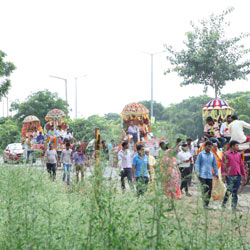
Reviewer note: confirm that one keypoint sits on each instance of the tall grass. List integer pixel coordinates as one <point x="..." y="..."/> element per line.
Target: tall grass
<point x="36" y="213"/>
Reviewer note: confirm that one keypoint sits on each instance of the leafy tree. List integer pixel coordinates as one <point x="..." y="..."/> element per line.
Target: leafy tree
<point x="163" y="129"/>
<point x="210" y="58"/>
<point x="158" y="109"/>
<point x="9" y="133"/>
<point x="38" y="104"/>
<point x="112" y="116"/>
<point x="6" y="68"/>
<point x="186" y="117"/>
<point x="84" y="129"/>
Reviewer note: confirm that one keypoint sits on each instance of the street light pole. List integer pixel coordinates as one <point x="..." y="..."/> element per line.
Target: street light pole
<point x="76" y="93"/>
<point x="152" y="81"/>
<point x="66" y="92"/>
<point x="152" y="86"/>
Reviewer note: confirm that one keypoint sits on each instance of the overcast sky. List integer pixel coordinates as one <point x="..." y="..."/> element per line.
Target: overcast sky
<point x="105" y="40"/>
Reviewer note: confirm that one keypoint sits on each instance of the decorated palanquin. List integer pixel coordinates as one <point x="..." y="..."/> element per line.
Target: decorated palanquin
<point x="138" y="113"/>
<point x="30" y="131"/>
<point x="55" y="128"/>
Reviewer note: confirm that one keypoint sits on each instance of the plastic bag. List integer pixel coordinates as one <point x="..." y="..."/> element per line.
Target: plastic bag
<point x="218" y="189"/>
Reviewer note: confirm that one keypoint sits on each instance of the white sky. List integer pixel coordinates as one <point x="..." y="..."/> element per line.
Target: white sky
<point x="104" y="39"/>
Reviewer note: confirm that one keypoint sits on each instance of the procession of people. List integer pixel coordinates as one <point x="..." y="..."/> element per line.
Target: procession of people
<point x="215" y="162"/>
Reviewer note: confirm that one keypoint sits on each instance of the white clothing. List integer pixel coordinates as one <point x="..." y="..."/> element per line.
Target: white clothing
<point x="66" y="157"/>
<point x="60" y="133"/>
<point x="51" y="156"/>
<point x="237" y="132"/>
<point x="183" y="156"/>
<point x="68" y="136"/>
<point x="125" y="158"/>
<point x="223" y="131"/>
<point x="192" y="151"/>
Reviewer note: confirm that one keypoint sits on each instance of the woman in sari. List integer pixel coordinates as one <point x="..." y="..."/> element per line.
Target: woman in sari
<point x="170" y="175"/>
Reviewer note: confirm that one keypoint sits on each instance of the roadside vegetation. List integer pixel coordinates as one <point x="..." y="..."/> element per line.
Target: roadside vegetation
<point x="36" y="213"/>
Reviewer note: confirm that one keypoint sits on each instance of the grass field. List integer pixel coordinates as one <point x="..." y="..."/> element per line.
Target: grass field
<point x="36" y="213"/>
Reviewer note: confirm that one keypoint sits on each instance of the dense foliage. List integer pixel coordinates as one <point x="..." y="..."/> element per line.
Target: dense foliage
<point x="84" y="129"/>
<point x="9" y="132"/>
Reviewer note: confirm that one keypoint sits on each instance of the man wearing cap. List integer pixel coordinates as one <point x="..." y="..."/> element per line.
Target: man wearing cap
<point x="184" y="159"/>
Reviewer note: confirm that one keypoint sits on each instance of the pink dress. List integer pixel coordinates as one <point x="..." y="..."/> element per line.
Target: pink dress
<point x="171" y="177"/>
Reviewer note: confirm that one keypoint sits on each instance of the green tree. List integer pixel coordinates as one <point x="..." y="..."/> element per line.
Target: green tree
<point x="210" y="58"/>
<point x="186" y="117"/>
<point x="9" y="132"/>
<point x="6" y="68"/>
<point x="84" y="129"/>
<point x="112" y="116"/>
<point x="38" y="104"/>
<point x="158" y="109"/>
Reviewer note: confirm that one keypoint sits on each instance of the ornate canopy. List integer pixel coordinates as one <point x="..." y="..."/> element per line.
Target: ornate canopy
<point x="135" y="109"/>
<point x="30" y="118"/>
<point x="54" y="114"/>
<point x="217" y="108"/>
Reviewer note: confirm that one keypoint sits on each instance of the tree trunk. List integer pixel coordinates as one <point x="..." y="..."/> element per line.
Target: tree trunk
<point x="215" y="89"/>
<point x="216" y="93"/>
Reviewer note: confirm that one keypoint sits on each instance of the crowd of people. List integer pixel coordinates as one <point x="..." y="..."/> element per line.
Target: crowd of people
<point x="175" y="166"/>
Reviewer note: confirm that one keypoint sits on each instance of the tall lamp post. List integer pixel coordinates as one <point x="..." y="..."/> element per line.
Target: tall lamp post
<point x="152" y="80"/>
<point x="66" y="91"/>
<point x="76" y="93"/>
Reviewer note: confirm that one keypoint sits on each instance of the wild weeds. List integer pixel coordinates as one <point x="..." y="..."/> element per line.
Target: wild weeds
<point x="37" y="213"/>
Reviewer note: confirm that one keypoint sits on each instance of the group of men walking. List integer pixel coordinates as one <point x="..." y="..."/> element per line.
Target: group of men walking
<point x="232" y="170"/>
<point x="67" y="158"/>
<point x="134" y="167"/>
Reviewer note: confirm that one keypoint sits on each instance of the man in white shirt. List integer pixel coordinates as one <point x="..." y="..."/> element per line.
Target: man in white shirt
<point x="68" y="136"/>
<point x="60" y="132"/>
<point x="125" y="158"/>
<point x="224" y="129"/>
<point x="66" y="159"/>
<point x="184" y="159"/>
<point x="236" y="129"/>
<point x="51" y="160"/>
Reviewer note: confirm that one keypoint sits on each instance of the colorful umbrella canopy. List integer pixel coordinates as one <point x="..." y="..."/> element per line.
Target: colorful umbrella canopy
<point x="30" y="118"/>
<point x="135" y="109"/>
<point x="54" y="114"/>
<point x="217" y="108"/>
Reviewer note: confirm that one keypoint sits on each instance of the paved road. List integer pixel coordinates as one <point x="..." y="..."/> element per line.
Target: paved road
<point x="108" y="172"/>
